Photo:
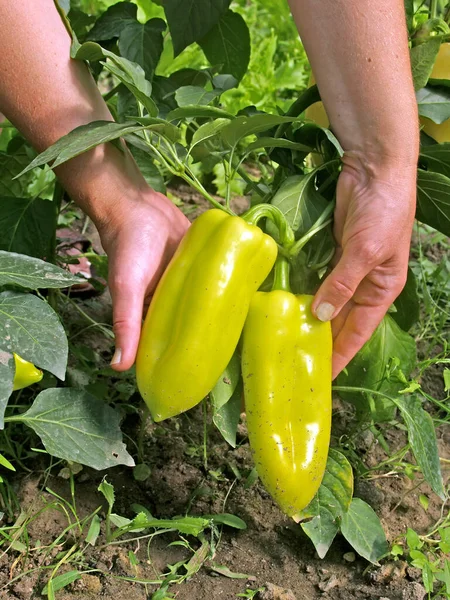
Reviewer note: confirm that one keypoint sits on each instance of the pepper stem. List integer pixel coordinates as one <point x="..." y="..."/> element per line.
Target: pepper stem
<point x="261" y="211"/>
<point x="281" y="275"/>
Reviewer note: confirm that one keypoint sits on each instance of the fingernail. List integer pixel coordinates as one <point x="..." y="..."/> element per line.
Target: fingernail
<point x="117" y="358"/>
<point x="325" y="311"/>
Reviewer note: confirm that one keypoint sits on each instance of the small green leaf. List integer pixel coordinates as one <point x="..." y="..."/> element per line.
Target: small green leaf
<point x="191" y="95"/>
<point x="194" y="112"/>
<point x="4" y="462"/>
<point x="422" y="438"/>
<point x="227" y="519"/>
<point x="363" y="531"/>
<point x="244" y="126"/>
<point x="7" y="370"/>
<point x="447" y="380"/>
<point x="434" y="103"/>
<point x="413" y="540"/>
<point x="228" y="44"/>
<point x="227" y="383"/>
<point x="424" y="501"/>
<point x="208" y="131"/>
<point x="59" y="582"/>
<point x="422" y="61"/>
<point x="94" y="531"/>
<point x="226" y="418"/>
<point x="107" y="489"/>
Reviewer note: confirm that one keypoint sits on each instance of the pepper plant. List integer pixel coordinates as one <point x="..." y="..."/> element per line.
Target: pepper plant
<point x="175" y="124"/>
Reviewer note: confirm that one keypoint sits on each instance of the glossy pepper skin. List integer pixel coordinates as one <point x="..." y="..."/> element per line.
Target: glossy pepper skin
<point x="198" y="311"/>
<point x="26" y="373"/>
<point x="286" y="368"/>
<point x="441" y="70"/>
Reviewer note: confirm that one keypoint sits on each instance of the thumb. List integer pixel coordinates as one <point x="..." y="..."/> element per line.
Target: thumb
<point x="341" y="284"/>
<point x="128" y="304"/>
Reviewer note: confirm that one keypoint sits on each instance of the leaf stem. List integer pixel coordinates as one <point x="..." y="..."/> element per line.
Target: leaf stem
<point x="322" y="222"/>
<point x="281" y="275"/>
<point x="268" y="211"/>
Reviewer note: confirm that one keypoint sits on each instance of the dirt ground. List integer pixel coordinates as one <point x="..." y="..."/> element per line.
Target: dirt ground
<point x="273" y="551"/>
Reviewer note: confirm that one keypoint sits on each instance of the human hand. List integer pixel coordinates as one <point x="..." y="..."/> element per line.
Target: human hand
<point x="374" y="215"/>
<point x="139" y="239"/>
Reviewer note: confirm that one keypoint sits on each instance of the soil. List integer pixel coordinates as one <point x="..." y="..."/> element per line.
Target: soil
<point x="273" y="552"/>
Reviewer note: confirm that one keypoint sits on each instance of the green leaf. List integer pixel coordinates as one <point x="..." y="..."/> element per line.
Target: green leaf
<point x="26" y="225"/>
<point x="226" y="418"/>
<point x="194" y="112"/>
<point x="433" y="200"/>
<point x="422" y="438"/>
<point x="11" y="164"/>
<point x="227" y="383"/>
<point x="225" y="572"/>
<point x="446" y="375"/>
<point x="407" y="304"/>
<point x="77" y="426"/>
<point x="409" y="13"/>
<point x="4" y="462"/>
<point x="422" y="61"/>
<point x="369" y="369"/>
<point x="107" y="489"/>
<point x="190" y="20"/>
<point x="148" y="169"/>
<point x="112" y="22"/>
<point x="94" y="531"/>
<point x="7" y="370"/>
<point x="436" y="158"/>
<point x="61" y="581"/>
<point x="243" y="126"/>
<point x="270" y="142"/>
<point x="300" y="202"/>
<point x="330" y="503"/>
<point x="434" y="103"/>
<point x="363" y="531"/>
<point x="228" y="44"/>
<point x="33" y="331"/>
<point x="193" y="95"/>
<point x="208" y="131"/>
<point x="32" y="273"/>
<point x="227" y="519"/>
<point x="143" y="44"/>
<point x="127" y="72"/>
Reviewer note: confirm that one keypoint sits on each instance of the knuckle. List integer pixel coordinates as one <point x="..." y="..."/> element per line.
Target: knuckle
<point x="369" y="252"/>
<point x="343" y="288"/>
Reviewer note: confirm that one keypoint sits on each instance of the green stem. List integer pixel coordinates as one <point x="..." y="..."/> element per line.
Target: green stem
<point x="322" y="222"/>
<point x="112" y="92"/>
<point x="261" y="211"/>
<point x="58" y="194"/>
<point x="281" y="275"/>
<point x="433" y="9"/>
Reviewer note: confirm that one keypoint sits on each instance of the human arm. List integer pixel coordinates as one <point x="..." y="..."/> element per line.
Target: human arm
<point x="46" y="95"/>
<point x="359" y="54"/>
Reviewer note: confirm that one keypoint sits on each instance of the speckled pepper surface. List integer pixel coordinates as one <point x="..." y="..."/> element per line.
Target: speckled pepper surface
<point x="198" y="311"/>
<point x="286" y="366"/>
<point x="26" y="373"/>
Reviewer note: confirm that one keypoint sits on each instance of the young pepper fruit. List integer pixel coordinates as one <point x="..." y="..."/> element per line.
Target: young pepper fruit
<point x="286" y="368"/>
<point x="26" y="373"/>
<point x="199" y="308"/>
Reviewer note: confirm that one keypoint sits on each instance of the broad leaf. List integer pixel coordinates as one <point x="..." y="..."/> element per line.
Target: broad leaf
<point x="208" y="131"/>
<point x="330" y="503"/>
<point x="362" y="529"/>
<point x="27" y="225"/>
<point x="85" y="138"/>
<point x="32" y="273"/>
<point x="190" y="20"/>
<point x="194" y="95"/>
<point x="300" y="202"/>
<point x="196" y="111"/>
<point x="434" y="103"/>
<point x="369" y="369"/>
<point x="76" y="426"/>
<point x="6" y="381"/>
<point x="422" y="61"/>
<point x="243" y="126"/>
<point x="407" y="304"/>
<point x="433" y="200"/>
<point x="228" y="44"/>
<point x="11" y="164"/>
<point x="143" y="44"/>
<point x="436" y="158"/>
<point x="112" y="22"/>
<point x="33" y="331"/>
<point x="422" y="438"/>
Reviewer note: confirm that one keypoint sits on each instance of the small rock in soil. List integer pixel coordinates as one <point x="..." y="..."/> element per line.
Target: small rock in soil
<point x="89" y="583"/>
<point x="349" y="557"/>
<point x="414" y="573"/>
<point x="274" y="592"/>
<point x="414" y="591"/>
<point x="326" y="586"/>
